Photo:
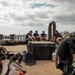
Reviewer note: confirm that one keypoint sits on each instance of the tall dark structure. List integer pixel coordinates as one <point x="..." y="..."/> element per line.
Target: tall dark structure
<point x="1" y="36"/>
<point x="51" y="30"/>
<point x="12" y="36"/>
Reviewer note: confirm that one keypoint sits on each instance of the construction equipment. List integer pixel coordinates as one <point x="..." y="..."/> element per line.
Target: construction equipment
<point x="65" y="56"/>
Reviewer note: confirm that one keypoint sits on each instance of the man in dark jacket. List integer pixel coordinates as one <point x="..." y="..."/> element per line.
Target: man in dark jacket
<point x="57" y="37"/>
<point x="43" y="36"/>
<point x="29" y="37"/>
<point x="36" y="36"/>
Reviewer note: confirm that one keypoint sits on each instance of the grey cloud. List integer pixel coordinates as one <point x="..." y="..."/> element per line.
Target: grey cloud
<point x="5" y="18"/>
<point x="18" y="18"/>
<point x="69" y="1"/>
<point x="39" y="18"/>
<point x="25" y="22"/>
<point x="25" y="0"/>
<point x="42" y="15"/>
<point x="68" y="4"/>
<point x="38" y="15"/>
<point x="31" y="16"/>
<point x="66" y="19"/>
<point x="31" y="23"/>
<point x="4" y="3"/>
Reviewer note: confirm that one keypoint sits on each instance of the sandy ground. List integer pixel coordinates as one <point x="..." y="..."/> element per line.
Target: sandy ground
<point x="42" y="67"/>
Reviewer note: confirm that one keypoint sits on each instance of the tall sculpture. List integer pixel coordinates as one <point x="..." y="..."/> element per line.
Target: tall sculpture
<point x="51" y="30"/>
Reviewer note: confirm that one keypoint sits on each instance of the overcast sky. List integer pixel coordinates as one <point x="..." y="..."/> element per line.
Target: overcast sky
<point x="21" y="16"/>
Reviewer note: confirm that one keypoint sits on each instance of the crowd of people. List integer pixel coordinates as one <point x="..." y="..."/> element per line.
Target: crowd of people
<point x="36" y="36"/>
<point x="42" y="37"/>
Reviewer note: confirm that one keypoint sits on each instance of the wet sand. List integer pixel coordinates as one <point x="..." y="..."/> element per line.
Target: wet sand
<point x="42" y="67"/>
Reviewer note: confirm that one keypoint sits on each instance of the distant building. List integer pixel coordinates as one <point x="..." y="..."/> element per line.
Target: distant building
<point x="65" y="34"/>
<point x="20" y="37"/>
<point x="5" y="37"/>
<point x="72" y="34"/>
<point x="15" y="37"/>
